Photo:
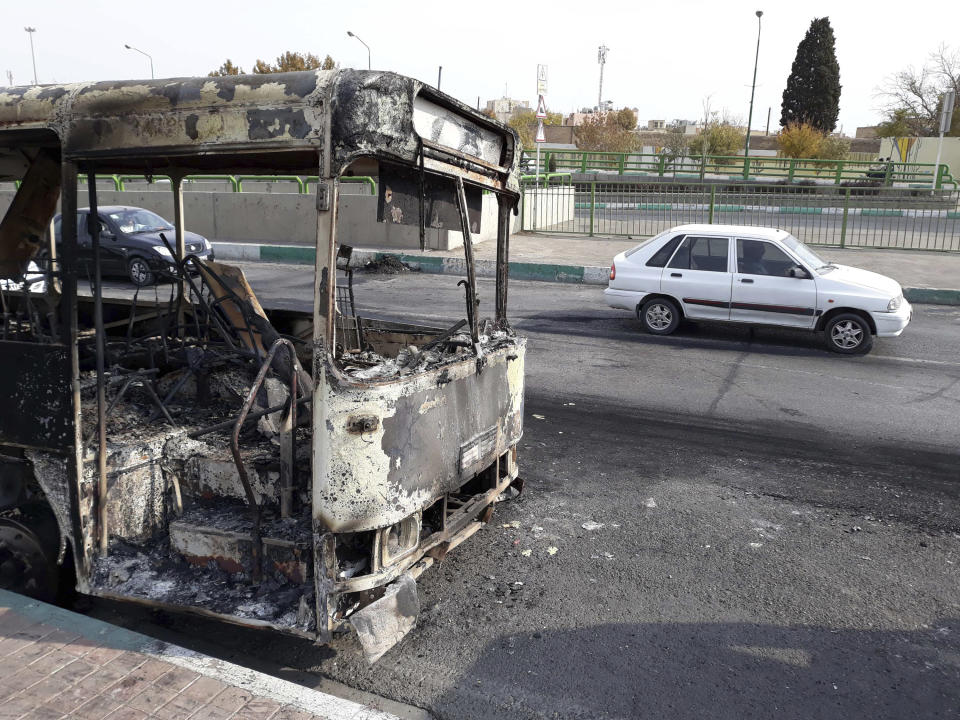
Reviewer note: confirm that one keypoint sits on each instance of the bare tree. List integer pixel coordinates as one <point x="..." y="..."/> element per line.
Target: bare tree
<point x="912" y="98"/>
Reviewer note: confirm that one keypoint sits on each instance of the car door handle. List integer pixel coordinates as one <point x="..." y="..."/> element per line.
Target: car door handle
<point x="676" y="274"/>
<point x="746" y="280"/>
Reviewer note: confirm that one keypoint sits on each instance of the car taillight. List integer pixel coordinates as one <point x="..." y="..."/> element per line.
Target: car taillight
<point x="613" y="271"/>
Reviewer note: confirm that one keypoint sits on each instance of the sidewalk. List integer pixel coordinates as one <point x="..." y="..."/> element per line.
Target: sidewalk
<point x="926" y="276"/>
<point x="55" y="663"/>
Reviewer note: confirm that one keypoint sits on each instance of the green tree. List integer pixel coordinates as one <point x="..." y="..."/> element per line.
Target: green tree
<point x="813" y="88"/>
<point x="609" y="132"/>
<point x="228" y="68"/>
<point x="293" y="62"/>
<point x="834" y="148"/>
<point x="722" y="138"/>
<point x="677" y="143"/>
<point x="525" y="123"/>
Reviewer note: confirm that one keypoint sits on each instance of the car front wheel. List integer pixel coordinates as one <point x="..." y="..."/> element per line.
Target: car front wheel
<point x="659" y="316"/>
<point x="848" y="334"/>
<point x="140" y="272"/>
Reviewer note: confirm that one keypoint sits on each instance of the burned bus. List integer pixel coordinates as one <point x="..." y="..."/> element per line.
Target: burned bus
<point x="191" y="449"/>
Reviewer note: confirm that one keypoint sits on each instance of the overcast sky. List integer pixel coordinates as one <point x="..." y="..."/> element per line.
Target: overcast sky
<point x="664" y="58"/>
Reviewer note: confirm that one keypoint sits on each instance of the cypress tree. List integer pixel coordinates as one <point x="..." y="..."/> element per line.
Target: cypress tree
<point x="813" y="88"/>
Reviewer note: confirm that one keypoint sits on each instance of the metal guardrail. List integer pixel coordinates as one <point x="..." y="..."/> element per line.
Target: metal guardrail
<point x="236" y="181"/>
<point x="548" y="178"/>
<point x="868" y="217"/>
<point x="737" y="167"/>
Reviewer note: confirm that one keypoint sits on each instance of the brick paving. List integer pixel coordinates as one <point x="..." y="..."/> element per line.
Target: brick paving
<point x="48" y="671"/>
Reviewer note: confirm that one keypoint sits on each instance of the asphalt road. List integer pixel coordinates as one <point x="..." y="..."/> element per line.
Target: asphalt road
<point x="778" y="532"/>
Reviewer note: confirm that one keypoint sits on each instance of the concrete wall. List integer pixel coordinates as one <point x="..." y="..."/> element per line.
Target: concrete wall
<point x="286" y="218"/>
<point x="550" y="207"/>
<point x="924" y="150"/>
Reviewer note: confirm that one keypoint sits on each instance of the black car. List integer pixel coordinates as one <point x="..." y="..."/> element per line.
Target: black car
<point x="130" y="244"/>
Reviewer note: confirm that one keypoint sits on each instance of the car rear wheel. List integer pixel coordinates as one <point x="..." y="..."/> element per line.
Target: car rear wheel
<point x="659" y="316"/>
<point x="140" y="272"/>
<point x="849" y="334"/>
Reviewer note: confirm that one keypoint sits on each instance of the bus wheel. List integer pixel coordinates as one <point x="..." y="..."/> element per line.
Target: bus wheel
<point x="25" y="567"/>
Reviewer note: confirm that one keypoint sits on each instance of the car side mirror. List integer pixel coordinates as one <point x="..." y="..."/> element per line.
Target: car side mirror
<point x="107" y="235"/>
<point x="797" y="272"/>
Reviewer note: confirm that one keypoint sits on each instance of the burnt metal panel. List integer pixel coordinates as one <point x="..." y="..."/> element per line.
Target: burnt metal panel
<point x="38" y="393"/>
<point x="437" y="430"/>
<point x="399" y="199"/>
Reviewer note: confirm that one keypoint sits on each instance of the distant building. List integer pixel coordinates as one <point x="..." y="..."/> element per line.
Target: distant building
<point x="505" y="108"/>
<point x="579" y="118"/>
<point x="869" y="132"/>
<point x="656" y="124"/>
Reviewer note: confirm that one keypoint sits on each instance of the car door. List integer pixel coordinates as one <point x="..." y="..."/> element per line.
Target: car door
<point x="765" y="292"/>
<point x="84" y="246"/>
<point x="699" y="276"/>
<point x="113" y="250"/>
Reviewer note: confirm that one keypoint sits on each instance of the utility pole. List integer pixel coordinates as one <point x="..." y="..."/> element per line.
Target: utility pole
<point x="746" y="149"/>
<point x="767" y="132"/>
<point x="602" y="59"/>
<point x="439" y="74"/>
<point x="30" y="32"/>
<point x="9" y="78"/>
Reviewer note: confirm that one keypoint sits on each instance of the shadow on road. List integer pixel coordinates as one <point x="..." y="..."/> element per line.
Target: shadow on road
<point x="714" y="671"/>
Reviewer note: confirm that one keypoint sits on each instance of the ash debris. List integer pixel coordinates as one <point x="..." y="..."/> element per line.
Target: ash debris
<point x="387" y="265"/>
<point x="156" y="574"/>
<point x="411" y="360"/>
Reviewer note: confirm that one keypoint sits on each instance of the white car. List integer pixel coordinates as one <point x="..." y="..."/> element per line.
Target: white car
<point x="754" y="275"/>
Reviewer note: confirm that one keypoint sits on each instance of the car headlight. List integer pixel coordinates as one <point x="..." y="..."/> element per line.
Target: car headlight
<point x="162" y="250"/>
<point x="894" y="304"/>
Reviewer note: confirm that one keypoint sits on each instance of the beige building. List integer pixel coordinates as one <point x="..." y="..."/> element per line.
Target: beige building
<point x="504" y="108"/>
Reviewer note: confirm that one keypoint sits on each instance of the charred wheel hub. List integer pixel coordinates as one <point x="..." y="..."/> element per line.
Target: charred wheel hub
<point x="24" y="566"/>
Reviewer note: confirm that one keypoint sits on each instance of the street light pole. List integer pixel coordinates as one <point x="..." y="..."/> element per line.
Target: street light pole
<point x="367" y="47"/>
<point x="148" y="56"/>
<point x="746" y="149"/>
<point x="33" y="57"/>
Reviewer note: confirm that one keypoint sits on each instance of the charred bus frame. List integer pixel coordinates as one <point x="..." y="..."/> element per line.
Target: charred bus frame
<point x="404" y="461"/>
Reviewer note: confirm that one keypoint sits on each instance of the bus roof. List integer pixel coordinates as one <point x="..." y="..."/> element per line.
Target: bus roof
<point x="299" y="122"/>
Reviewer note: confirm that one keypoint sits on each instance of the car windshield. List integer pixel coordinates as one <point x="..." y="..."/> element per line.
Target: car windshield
<point x="137" y="220"/>
<point x="807" y="255"/>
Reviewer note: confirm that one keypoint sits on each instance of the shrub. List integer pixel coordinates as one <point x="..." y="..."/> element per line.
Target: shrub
<point x="800" y="140"/>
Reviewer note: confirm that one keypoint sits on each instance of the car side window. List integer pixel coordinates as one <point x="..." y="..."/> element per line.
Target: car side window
<point x="756" y="257"/>
<point x="702" y="253"/>
<point x="709" y="253"/>
<point x="660" y="257"/>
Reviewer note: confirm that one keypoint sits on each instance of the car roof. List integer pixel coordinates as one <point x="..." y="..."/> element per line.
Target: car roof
<point x="113" y="208"/>
<point x="751" y="231"/>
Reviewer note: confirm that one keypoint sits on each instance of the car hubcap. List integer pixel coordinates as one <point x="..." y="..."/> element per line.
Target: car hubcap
<point x="139" y="272"/>
<point x="659" y="317"/>
<point x="847" y="334"/>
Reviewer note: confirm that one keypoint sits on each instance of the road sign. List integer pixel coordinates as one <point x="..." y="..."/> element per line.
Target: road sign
<point x="946" y="117"/>
<point x="541" y="108"/>
<point x="541" y="79"/>
<point x="541" y="137"/>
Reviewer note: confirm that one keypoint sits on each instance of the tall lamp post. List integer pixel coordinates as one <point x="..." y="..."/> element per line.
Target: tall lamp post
<point x="33" y="57"/>
<point x="368" y="51"/>
<point x="746" y="149"/>
<point x="147" y="55"/>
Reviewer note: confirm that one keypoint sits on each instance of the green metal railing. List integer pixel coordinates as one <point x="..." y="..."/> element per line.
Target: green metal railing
<point x="736" y="167"/>
<point x="235" y="181"/>
<point x="565" y="178"/>
<point x="868" y="217"/>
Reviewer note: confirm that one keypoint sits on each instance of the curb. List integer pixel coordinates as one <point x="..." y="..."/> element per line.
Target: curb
<point x="440" y="265"/>
<point x="262" y="685"/>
